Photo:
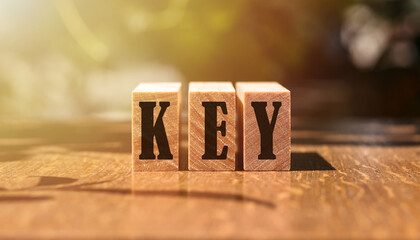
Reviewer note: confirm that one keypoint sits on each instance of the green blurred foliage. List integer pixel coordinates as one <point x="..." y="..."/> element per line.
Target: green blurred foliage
<point x="76" y="58"/>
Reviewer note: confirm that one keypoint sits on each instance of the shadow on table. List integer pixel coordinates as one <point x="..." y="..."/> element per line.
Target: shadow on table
<point x="178" y="193"/>
<point x="67" y="184"/>
<point x="309" y="161"/>
<point x="24" y="198"/>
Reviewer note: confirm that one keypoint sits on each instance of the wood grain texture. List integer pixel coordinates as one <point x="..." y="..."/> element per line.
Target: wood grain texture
<point x="350" y="179"/>
<point x="200" y="92"/>
<point x="249" y="133"/>
<point x="157" y="92"/>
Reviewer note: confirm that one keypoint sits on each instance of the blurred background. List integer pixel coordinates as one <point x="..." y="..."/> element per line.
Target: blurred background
<point x="69" y="59"/>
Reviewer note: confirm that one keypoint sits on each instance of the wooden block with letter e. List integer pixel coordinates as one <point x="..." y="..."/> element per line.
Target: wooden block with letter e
<point x="211" y="126"/>
<point x="155" y="126"/>
<point x="264" y="125"/>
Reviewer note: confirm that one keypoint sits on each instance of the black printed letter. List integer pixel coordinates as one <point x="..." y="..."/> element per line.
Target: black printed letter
<point x="266" y="128"/>
<point x="148" y="132"/>
<point x="211" y="128"/>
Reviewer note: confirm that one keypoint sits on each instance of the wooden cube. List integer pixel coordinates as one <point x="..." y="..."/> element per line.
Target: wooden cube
<point x="264" y="125"/>
<point x="155" y="126"/>
<point x="211" y="125"/>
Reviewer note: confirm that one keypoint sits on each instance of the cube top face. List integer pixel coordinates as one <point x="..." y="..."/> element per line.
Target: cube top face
<point x="208" y="87"/>
<point x="254" y="101"/>
<point x="259" y="87"/>
<point x="211" y="126"/>
<point x="153" y="87"/>
<point x="161" y="103"/>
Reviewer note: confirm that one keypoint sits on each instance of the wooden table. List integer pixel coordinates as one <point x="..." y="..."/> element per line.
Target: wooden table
<point x="349" y="179"/>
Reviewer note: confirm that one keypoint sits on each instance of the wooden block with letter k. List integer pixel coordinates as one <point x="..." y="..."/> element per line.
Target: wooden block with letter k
<point x="211" y="126"/>
<point x="155" y="126"/>
<point x="263" y="125"/>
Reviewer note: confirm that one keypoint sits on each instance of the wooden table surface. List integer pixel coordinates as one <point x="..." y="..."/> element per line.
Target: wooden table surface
<point x="349" y="179"/>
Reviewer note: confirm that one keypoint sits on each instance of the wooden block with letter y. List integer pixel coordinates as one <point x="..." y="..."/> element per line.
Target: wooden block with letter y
<point x="211" y="126"/>
<point x="155" y="126"/>
<point x="264" y="125"/>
